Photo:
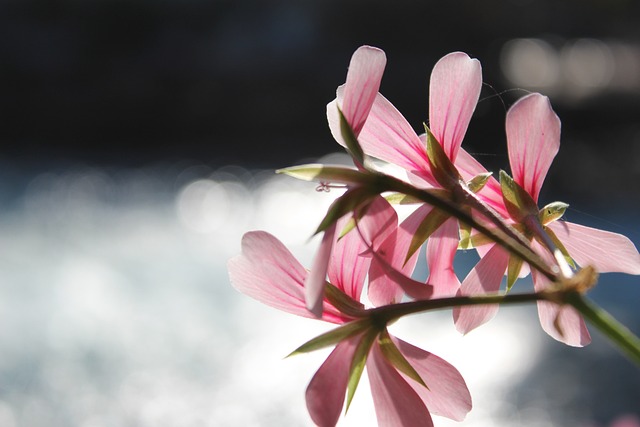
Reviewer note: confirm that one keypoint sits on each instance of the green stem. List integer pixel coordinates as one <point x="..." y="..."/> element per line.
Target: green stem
<point x="626" y="340"/>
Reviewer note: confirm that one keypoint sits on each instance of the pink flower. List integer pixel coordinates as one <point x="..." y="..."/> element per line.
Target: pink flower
<point x="455" y="86"/>
<point x="268" y="272"/>
<point x="363" y="81"/>
<point x="533" y="137"/>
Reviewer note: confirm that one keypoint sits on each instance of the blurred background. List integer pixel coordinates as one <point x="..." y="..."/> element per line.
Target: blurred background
<point x="138" y="141"/>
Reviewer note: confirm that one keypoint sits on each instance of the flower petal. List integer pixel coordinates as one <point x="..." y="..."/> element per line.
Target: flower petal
<point x="383" y="286"/>
<point x="363" y="82"/>
<point x="268" y="272"/>
<point x="562" y="323"/>
<point x="606" y="251"/>
<point x="533" y="138"/>
<point x="395" y="401"/>
<point x="326" y="391"/>
<point x="441" y="249"/>
<point x="454" y="90"/>
<point x="315" y="282"/>
<point x="447" y="395"/>
<point x="484" y="278"/>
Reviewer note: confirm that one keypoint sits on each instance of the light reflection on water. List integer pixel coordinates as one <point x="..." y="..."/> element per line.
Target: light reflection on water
<point x="116" y="309"/>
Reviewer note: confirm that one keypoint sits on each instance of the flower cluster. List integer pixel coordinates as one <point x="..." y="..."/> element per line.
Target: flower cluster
<point x="458" y="205"/>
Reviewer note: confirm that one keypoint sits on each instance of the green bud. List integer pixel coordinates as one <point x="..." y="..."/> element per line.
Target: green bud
<point x="553" y="211"/>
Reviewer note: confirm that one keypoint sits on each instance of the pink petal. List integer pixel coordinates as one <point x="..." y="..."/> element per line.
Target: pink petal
<point x="396" y="403"/>
<point x="606" y="251"/>
<point x="448" y="395"/>
<point x="533" y="138"/>
<point x="268" y="272"/>
<point x="441" y="249"/>
<point x="348" y="267"/>
<point x="454" y="90"/>
<point x="491" y="193"/>
<point x="383" y="284"/>
<point x="574" y="330"/>
<point x="483" y="279"/>
<point x="363" y="82"/>
<point x="326" y="391"/>
<point x="315" y="282"/>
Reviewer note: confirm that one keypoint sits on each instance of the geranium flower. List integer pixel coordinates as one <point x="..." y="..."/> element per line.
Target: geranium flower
<point x="533" y="137"/>
<point x="398" y="371"/>
<point x="363" y="81"/>
<point x="455" y="86"/>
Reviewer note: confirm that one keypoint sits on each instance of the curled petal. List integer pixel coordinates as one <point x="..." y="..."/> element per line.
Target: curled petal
<point x="363" y="82"/>
<point x="454" y="90"/>
<point x="607" y="252"/>
<point x="314" y="284"/>
<point x="447" y="395"/>
<point x="268" y="272"/>
<point x="533" y="138"/>
<point x="326" y="391"/>
<point x="441" y="249"/>
<point x="483" y="279"/>
<point x="396" y="402"/>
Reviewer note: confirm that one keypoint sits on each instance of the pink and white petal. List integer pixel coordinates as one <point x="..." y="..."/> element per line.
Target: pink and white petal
<point x="441" y="249"/>
<point x="347" y="267"/>
<point x="388" y="136"/>
<point x="325" y="393"/>
<point x="491" y="193"/>
<point x="363" y="83"/>
<point x="447" y="395"/>
<point x="395" y="401"/>
<point x="315" y="282"/>
<point x="454" y="89"/>
<point x="533" y="139"/>
<point x="485" y="278"/>
<point x="607" y="252"/>
<point x="379" y="221"/>
<point x="268" y="272"/>
<point x="383" y="286"/>
<point x="562" y="323"/>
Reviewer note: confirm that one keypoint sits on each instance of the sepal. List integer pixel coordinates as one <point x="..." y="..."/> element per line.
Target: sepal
<point x="517" y="201"/>
<point x="397" y="359"/>
<point x="443" y="170"/>
<point x="552" y="212"/>
<point x="333" y="337"/>
<point x="350" y="139"/>
<point x="324" y="173"/>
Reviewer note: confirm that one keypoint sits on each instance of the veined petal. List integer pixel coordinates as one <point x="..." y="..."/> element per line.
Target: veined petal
<point x="314" y="284"/>
<point x="491" y="193"/>
<point x="441" y="249"/>
<point x="395" y="401"/>
<point x="269" y="273"/>
<point x="326" y="391"/>
<point x="454" y="90"/>
<point x="483" y="279"/>
<point x="561" y="322"/>
<point x="606" y="251"/>
<point x="447" y="395"/>
<point x="363" y="82"/>
<point x="383" y="289"/>
<point x="533" y="138"/>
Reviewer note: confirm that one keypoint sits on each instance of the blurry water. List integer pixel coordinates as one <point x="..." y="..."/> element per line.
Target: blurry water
<point x="116" y="310"/>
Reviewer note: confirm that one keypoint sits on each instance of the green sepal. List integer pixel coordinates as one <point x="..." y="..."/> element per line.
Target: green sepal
<point x="353" y="146"/>
<point x="478" y="182"/>
<point x="517" y="201"/>
<point x="443" y="170"/>
<point x="350" y="225"/>
<point x="402" y="199"/>
<point x="513" y="270"/>
<point x="397" y="359"/>
<point x="358" y="363"/>
<point x="560" y="246"/>
<point x="333" y="174"/>
<point x="333" y="337"/>
<point x="431" y="222"/>
<point x="553" y="211"/>
<point x="344" y="204"/>
<point x="343" y="302"/>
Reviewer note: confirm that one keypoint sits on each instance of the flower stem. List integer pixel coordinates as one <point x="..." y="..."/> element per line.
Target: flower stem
<point x="626" y="341"/>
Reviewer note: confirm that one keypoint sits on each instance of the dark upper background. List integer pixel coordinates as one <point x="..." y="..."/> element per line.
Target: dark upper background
<point x="131" y="82"/>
